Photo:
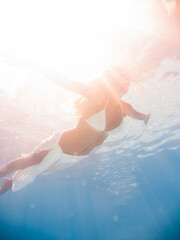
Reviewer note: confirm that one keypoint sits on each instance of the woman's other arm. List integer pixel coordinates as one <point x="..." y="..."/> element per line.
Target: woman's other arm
<point x="128" y="110"/>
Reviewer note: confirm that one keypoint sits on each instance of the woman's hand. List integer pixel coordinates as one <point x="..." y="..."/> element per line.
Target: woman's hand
<point x="146" y="118"/>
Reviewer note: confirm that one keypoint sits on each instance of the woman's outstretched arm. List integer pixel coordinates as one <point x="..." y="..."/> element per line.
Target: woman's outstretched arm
<point x="85" y="90"/>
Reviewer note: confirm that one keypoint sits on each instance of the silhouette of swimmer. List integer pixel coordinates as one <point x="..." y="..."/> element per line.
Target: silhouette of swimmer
<point x="102" y="97"/>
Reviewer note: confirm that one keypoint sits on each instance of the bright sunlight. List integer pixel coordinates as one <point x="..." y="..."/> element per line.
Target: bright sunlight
<point x="78" y="38"/>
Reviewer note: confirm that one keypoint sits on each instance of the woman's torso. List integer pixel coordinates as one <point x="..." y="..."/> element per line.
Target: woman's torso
<point x="81" y="139"/>
<point x="84" y="137"/>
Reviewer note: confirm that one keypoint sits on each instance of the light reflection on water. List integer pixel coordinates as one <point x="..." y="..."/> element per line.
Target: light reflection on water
<point x="136" y="141"/>
<point x="122" y="184"/>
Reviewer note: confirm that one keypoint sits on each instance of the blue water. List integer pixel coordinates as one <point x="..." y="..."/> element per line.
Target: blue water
<point x="76" y="206"/>
<point x="126" y="189"/>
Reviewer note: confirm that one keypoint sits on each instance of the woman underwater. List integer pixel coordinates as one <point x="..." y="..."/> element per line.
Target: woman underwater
<point x="101" y="101"/>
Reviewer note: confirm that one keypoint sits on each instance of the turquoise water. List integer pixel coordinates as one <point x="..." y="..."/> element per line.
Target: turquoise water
<point x="128" y="188"/>
<point x="57" y="207"/>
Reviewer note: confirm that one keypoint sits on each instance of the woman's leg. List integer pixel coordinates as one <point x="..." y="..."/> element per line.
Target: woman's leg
<point x="23" y="162"/>
<point x="6" y="185"/>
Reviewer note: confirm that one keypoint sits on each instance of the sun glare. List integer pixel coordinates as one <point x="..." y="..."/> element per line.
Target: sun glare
<point x="75" y="38"/>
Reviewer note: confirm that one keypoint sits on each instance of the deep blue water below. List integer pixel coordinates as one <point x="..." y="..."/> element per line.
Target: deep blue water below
<point x="71" y="205"/>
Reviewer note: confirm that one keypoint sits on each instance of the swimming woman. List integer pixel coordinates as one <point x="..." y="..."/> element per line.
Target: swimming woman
<point x="101" y="99"/>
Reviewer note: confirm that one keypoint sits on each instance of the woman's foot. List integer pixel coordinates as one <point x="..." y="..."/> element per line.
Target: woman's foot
<point x="146" y="119"/>
<point x="6" y="185"/>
